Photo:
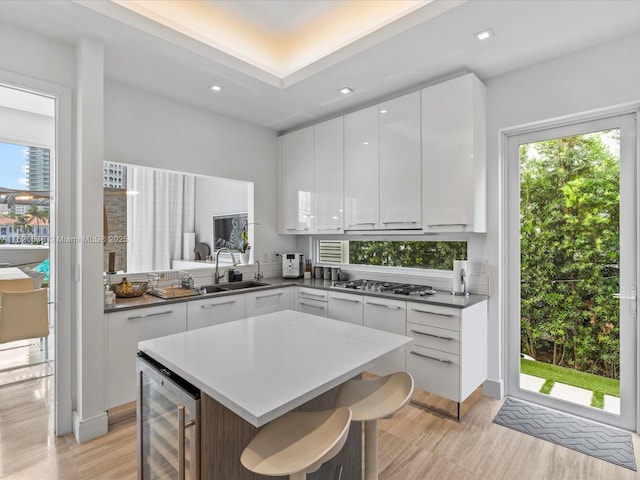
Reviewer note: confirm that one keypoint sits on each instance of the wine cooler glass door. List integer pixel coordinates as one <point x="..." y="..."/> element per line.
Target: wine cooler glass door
<point x="168" y="429"/>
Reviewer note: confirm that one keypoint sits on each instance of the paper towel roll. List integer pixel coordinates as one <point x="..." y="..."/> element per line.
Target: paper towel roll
<point x="460" y="277"/>
<point x="188" y="244"/>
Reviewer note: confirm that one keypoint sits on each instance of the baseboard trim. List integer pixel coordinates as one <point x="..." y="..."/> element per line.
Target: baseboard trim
<point x="493" y="388"/>
<point x="89" y="428"/>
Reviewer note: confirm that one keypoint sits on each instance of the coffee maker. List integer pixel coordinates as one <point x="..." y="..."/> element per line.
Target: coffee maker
<point x="292" y="265"/>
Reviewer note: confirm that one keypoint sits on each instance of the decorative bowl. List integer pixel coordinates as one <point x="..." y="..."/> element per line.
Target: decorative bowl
<point x="137" y="289"/>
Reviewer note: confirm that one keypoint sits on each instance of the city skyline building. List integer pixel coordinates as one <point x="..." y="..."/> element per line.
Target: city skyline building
<point x="114" y="175"/>
<point x="38" y="161"/>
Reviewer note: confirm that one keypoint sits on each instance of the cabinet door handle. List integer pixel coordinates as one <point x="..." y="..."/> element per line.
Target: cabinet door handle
<point x="447" y="225"/>
<point x="448" y="362"/>
<point x="150" y="315"/>
<point x="305" y="294"/>
<point x="431" y="335"/>
<point x="211" y="305"/>
<point x="320" y="307"/>
<point x="393" y="307"/>
<point x="182" y="427"/>
<point x="361" y="223"/>
<point x="345" y="299"/>
<point x="267" y="296"/>
<point x="297" y="229"/>
<point x="432" y="313"/>
<point x="403" y="222"/>
<point x="334" y="228"/>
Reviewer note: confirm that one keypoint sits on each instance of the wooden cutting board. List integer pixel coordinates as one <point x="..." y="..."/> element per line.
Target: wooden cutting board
<point x="171" y="292"/>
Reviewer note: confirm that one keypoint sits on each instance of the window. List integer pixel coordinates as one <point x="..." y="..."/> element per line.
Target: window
<point x="414" y="253"/>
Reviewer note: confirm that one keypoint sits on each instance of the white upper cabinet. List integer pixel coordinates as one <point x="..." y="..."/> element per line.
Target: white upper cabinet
<point x="329" y="177"/>
<point x="454" y="156"/>
<point x="361" y="170"/>
<point x="400" y="165"/>
<point x="296" y="163"/>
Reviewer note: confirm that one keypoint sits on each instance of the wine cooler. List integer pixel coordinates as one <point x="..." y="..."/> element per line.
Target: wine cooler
<point x="168" y="415"/>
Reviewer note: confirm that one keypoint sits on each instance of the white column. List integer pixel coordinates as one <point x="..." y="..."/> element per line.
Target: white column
<point x="89" y="418"/>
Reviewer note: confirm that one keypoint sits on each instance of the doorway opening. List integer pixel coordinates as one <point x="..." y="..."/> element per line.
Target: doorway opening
<point x="24" y="251"/>
<point x="572" y="255"/>
<point x="27" y="151"/>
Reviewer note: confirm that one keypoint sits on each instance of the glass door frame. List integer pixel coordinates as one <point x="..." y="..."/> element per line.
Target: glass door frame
<point x="625" y="119"/>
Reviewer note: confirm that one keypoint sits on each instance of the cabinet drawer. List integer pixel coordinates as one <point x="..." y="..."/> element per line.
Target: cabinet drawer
<point x="314" y="307"/>
<point x="346" y="307"/>
<point x="434" y="316"/>
<point x="312" y="294"/>
<point x="435" y="371"/>
<point x="267" y="301"/>
<point x="212" y="311"/>
<point x="435" y="338"/>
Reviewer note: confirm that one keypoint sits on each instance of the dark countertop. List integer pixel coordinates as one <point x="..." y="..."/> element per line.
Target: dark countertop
<point x="444" y="299"/>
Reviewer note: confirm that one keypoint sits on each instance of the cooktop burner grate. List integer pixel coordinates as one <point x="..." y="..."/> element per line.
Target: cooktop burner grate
<point x="385" y="287"/>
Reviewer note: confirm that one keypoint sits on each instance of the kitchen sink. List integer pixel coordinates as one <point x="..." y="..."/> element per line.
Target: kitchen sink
<point x="226" y="287"/>
<point x="214" y="288"/>
<point x="241" y="285"/>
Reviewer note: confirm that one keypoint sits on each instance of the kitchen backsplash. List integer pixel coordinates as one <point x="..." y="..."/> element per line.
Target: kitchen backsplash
<point x="478" y="281"/>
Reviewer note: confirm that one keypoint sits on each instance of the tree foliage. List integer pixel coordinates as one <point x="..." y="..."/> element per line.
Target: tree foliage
<point x="569" y="240"/>
<point x="431" y="255"/>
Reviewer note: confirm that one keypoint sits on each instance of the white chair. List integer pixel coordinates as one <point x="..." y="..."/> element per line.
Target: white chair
<point x="24" y="315"/>
<point x="297" y="443"/>
<point x="16" y="285"/>
<point x="370" y="400"/>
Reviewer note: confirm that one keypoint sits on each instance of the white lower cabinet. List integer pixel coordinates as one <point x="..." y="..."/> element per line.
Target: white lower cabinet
<point x="124" y="331"/>
<point x="346" y="307"/>
<point x="313" y="301"/>
<point x="212" y="311"/>
<point x="449" y="354"/>
<point x="390" y="316"/>
<point x="267" y="301"/>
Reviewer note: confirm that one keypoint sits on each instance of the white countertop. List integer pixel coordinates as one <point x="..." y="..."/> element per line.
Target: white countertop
<point x="265" y="366"/>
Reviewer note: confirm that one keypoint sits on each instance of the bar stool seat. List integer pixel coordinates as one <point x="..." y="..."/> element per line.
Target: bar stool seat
<point x="297" y="443"/>
<point x="370" y="400"/>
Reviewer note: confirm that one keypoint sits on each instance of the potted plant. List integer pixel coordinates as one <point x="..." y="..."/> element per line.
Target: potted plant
<point x="244" y="248"/>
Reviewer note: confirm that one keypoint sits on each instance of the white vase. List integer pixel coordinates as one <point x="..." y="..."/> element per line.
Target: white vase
<point x="244" y="258"/>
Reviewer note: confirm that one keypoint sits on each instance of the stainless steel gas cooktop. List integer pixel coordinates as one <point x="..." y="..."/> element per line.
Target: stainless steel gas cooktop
<point x="385" y="287"/>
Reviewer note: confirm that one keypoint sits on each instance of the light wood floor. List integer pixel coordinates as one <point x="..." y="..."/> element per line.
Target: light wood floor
<point x="414" y="445"/>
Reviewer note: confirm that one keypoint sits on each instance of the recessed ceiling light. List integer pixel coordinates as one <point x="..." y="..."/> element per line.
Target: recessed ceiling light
<point x="215" y="88"/>
<point x="345" y="90"/>
<point x="383" y="111"/>
<point x="484" y="34"/>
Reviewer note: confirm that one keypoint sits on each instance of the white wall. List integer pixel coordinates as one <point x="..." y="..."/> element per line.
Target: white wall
<point x="217" y="196"/>
<point x="36" y="56"/>
<point x="145" y="129"/>
<point x="591" y="79"/>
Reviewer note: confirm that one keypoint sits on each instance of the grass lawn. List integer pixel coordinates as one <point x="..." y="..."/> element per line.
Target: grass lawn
<point x="553" y="373"/>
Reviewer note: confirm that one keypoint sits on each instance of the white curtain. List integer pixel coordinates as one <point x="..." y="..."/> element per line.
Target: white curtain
<point x="157" y="216"/>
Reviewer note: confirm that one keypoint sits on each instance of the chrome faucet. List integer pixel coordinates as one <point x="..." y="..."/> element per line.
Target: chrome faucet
<point x="258" y="276"/>
<point x="216" y="276"/>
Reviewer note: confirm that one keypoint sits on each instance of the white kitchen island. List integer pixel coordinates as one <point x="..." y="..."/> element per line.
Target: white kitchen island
<point x="252" y="371"/>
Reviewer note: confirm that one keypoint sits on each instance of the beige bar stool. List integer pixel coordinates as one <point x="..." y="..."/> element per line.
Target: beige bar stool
<point x="297" y="443"/>
<point x="370" y="400"/>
